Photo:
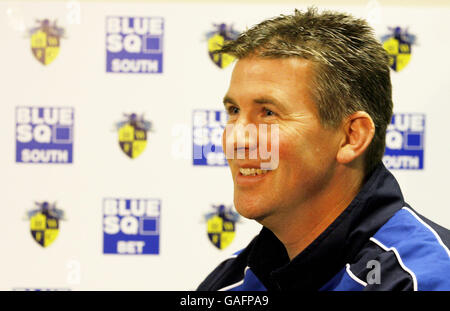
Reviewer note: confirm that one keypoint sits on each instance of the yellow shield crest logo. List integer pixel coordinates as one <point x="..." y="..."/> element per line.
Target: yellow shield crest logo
<point x="398" y="46"/>
<point x="133" y="134"/>
<point x="221" y="226"/>
<point x="44" y="223"/>
<point x="216" y="39"/>
<point x="45" y="41"/>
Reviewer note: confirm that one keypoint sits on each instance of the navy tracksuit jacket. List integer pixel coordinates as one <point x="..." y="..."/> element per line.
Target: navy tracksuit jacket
<point x="378" y="243"/>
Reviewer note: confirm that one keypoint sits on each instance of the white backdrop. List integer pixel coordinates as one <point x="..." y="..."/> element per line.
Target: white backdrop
<point x="189" y="81"/>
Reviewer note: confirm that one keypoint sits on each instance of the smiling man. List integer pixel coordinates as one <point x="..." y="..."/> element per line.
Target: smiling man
<point x="313" y="90"/>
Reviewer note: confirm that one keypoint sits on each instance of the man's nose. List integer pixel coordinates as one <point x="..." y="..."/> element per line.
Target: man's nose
<point x="246" y="136"/>
<point x="241" y="139"/>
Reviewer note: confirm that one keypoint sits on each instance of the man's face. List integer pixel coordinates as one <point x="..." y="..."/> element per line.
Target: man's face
<point x="275" y="92"/>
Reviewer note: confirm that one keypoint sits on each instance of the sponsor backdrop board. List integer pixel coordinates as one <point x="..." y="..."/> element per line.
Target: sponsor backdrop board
<point x="113" y="176"/>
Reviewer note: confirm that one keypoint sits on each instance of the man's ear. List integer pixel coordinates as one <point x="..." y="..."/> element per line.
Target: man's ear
<point x="359" y="130"/>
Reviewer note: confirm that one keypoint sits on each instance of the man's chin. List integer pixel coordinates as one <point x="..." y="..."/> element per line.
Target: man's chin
<point x="251" y="210"/>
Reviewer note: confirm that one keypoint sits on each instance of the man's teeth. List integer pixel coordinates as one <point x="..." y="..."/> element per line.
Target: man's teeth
<point x="252" y="171"/>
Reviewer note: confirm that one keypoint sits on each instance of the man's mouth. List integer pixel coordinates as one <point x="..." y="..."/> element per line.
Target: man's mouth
<point x="252" y="171"/>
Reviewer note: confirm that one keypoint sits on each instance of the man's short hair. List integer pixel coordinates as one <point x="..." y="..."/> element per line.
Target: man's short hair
<point x="351" y="66"/>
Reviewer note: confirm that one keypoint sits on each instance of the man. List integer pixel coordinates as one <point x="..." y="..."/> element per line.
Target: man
<point x="333" y="216"/>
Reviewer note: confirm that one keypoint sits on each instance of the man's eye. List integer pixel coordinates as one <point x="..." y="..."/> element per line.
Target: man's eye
<point x="268" y="112"/>
<point x="233" y="110"/>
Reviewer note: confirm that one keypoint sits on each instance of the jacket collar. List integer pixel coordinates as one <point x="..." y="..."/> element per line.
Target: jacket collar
<point x="378" y="200"/>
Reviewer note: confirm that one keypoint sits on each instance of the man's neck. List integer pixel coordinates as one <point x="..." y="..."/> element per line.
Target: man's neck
<point x="303" y="224"/>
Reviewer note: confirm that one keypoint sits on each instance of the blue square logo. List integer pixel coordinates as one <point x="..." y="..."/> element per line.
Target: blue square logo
<point x="131" y="226"/>
<point x="405" y="137"/>
<point x="134" y="44"/>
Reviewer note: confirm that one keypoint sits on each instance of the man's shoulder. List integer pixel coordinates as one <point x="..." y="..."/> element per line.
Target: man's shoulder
<point x="440" y="231"/>
<point x="409" y="252"/>
<point x="408" y="229"/>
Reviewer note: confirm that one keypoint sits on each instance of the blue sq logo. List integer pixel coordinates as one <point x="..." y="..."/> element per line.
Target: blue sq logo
<point x="134" y="44"/>
<point x="405" y="142"/>
<point x="44" y="134"/>
<point x="131" y="226"/>
<point x="208" y="126"/>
